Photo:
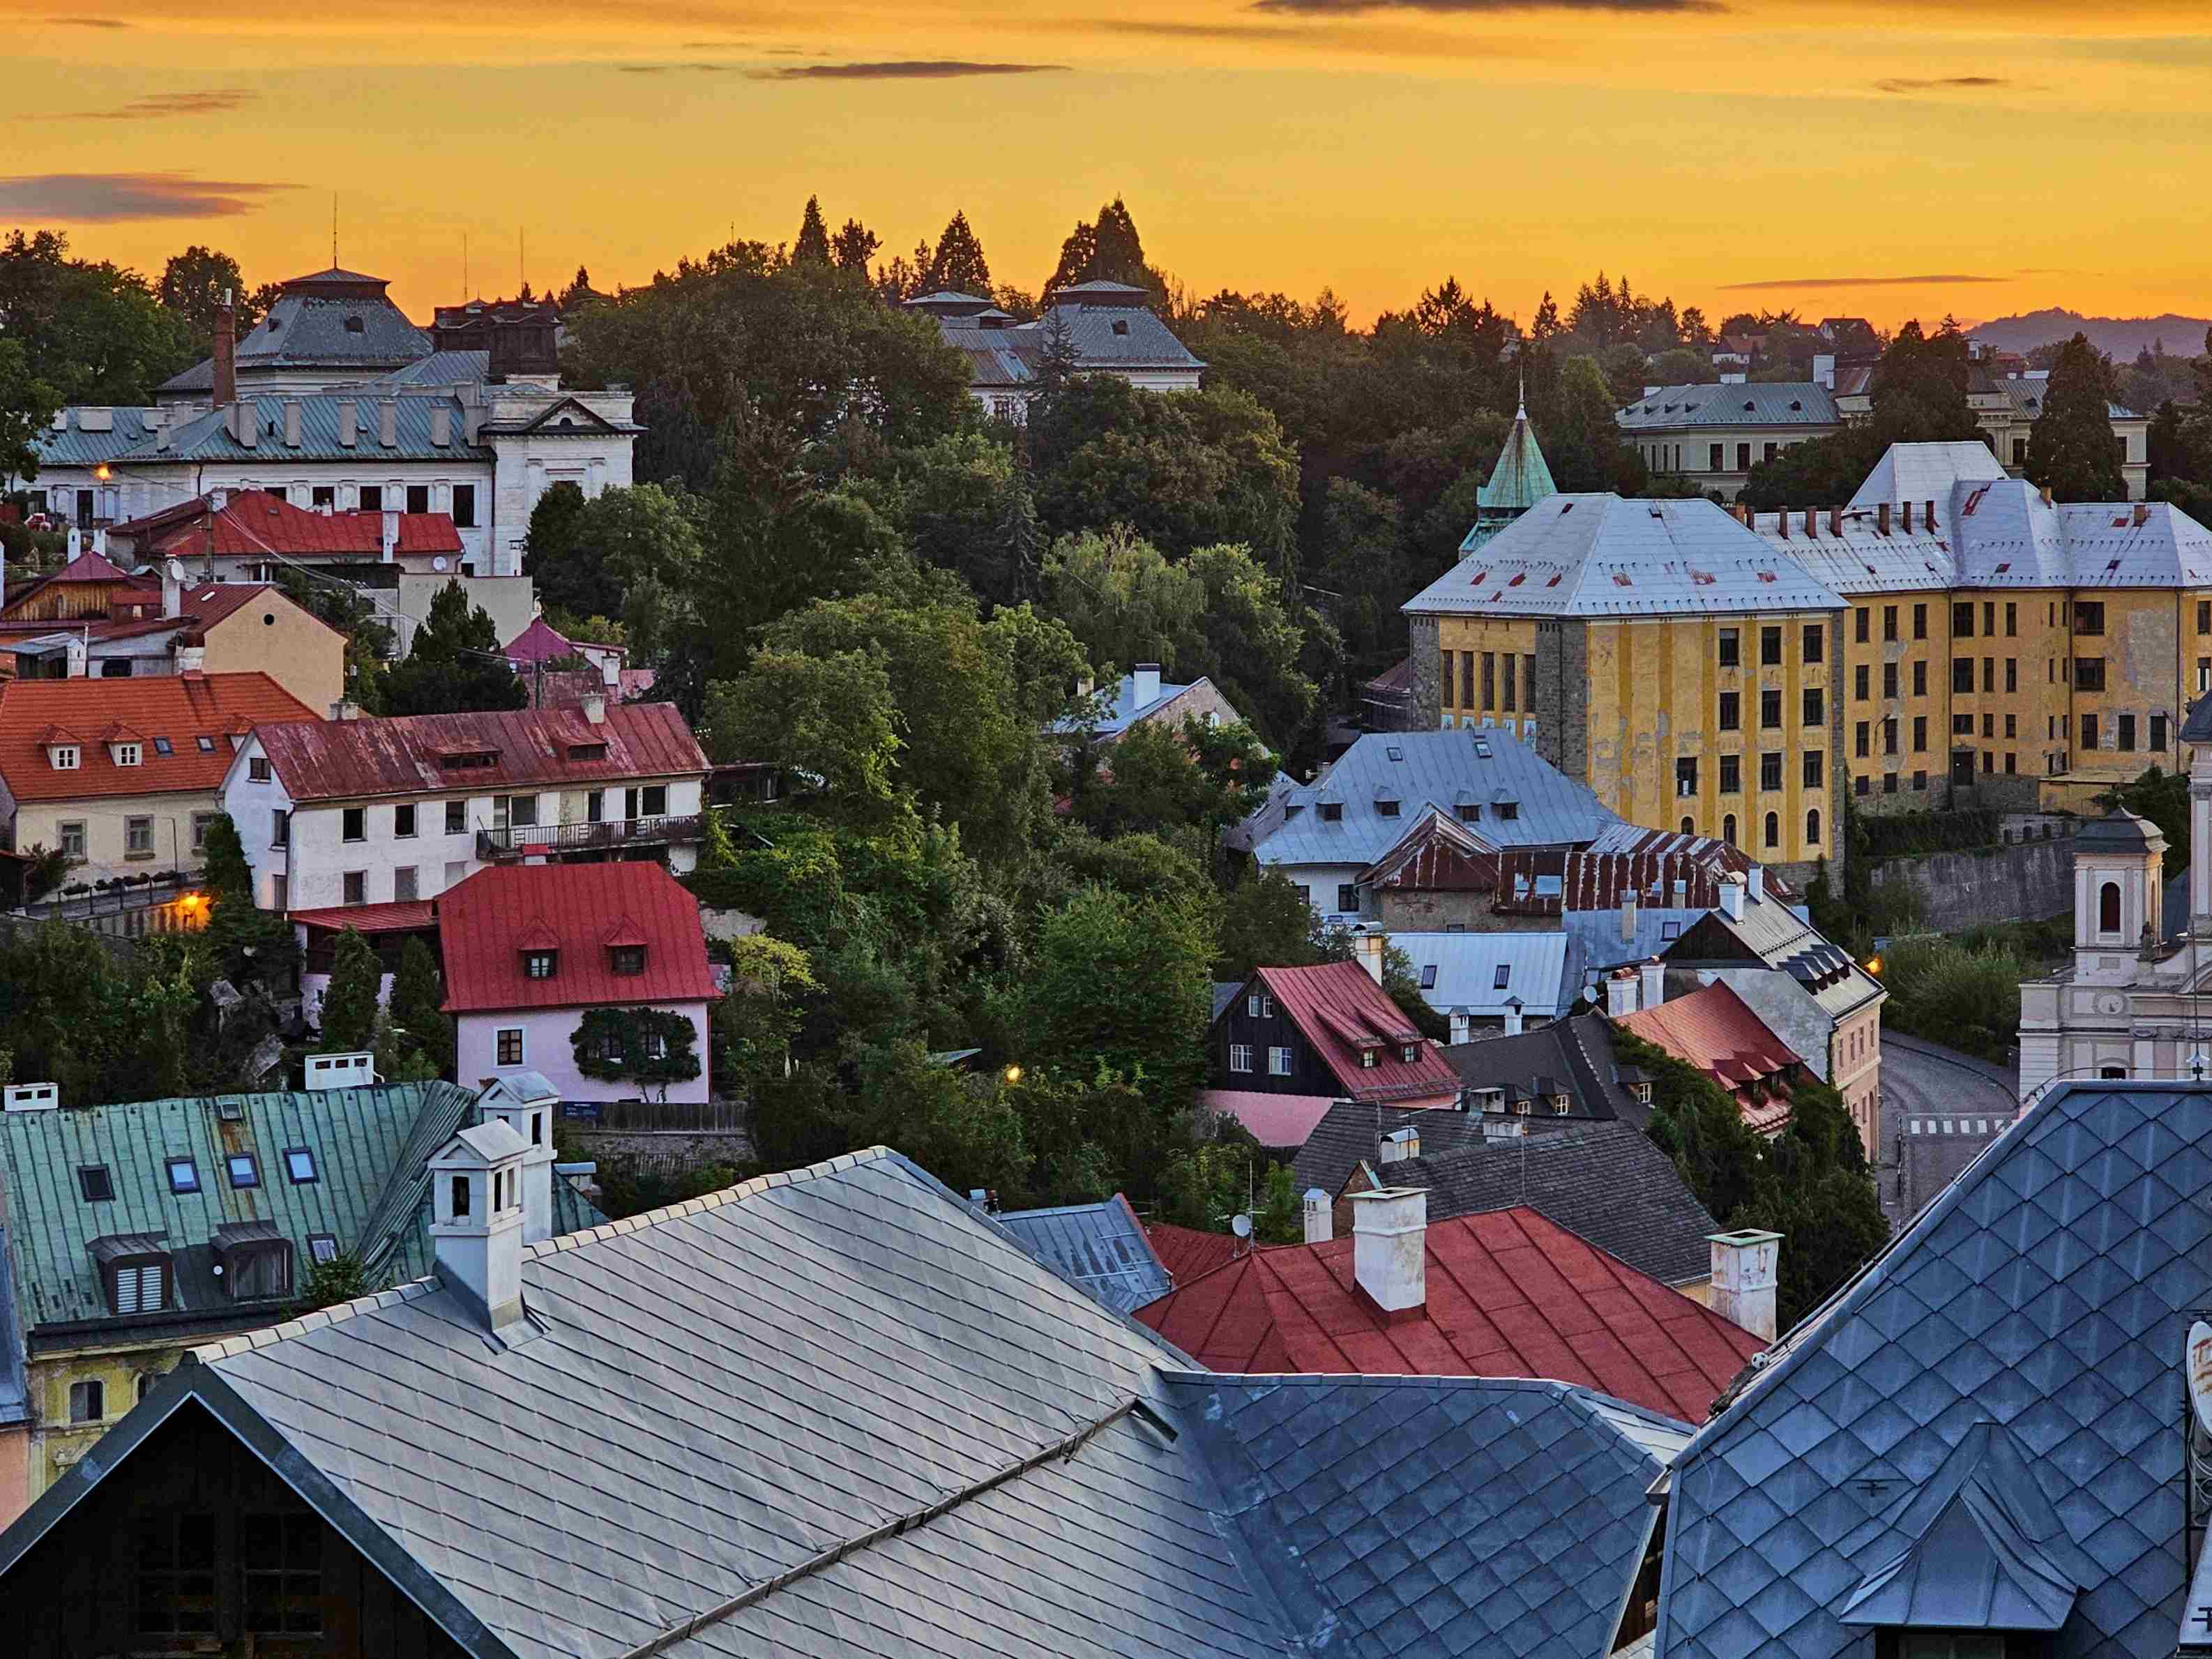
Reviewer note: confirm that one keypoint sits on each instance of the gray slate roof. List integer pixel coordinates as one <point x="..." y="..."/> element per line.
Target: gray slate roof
<point x="2048" y="1291"/>
<point x="1781" y="403"/>
<point x="1102" y="1247"/>
<point x="444" y="368"/>
<point x="206" y="436"/>
<point x="1578" y="1049"/>
<point x="1458" y="973"/>
<point x="303" y="330"/>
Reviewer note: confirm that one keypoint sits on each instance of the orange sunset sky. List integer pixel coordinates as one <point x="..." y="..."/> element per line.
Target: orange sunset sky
<point x="1884" y="160"/>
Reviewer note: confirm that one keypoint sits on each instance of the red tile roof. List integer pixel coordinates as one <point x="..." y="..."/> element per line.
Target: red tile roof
<point x="181" y="707"/>
<point x="254" y="522"/>
<point x="1715" y="1031"/>
<point x="1508" y="1293"/>
<point x="1186" y="1253"/>
<point x="484" y="922"/>
<point x="403" y="916"/>
<point x="340" y="760"/>
<point x="1339" y="1011"/>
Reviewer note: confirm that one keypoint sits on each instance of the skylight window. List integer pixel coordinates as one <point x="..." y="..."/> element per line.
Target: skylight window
<point x="1428" y="976"/>
<point x="243" y="1171"/>
<point x="161" y="746"/>
<point x="300" y="1165"/>
<point x="206" y="743"/>
<point x="95" y="1184"/>
<point x="184" y="1176"/>
<point x="1394" y="752"/>
<point x="1504" y="977"/>
<point x="323" y="1246"/>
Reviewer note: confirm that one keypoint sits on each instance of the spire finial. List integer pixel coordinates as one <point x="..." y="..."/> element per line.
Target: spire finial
<point x="1521" y="413"/>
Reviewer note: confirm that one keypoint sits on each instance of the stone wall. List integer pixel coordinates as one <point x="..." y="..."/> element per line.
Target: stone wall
<point x="1427" y="710"/>
<point x="2027" y="881"/>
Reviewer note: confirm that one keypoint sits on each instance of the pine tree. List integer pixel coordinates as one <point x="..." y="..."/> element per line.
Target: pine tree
<point x="854" y="246"/>
<point x="813" y="245"/>
<point x="1546" y="325"/>
<point x="2072" y="450"/>
<point x="958" y="266"/>
<point x="416" y="1004"/>
<point x="1110" y="250"/>
<point x="348" y="1019"/>
<point x="250" y="944"/>
<point x="456" y="665"/>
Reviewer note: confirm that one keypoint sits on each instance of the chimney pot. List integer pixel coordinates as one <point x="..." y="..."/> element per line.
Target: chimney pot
<point x="1929" y="518"/>
<point x="595" y="709"/>
<point x="1908" y="518"/>
<point x="2046" y="496"/>
<point x="1147" y="683"/>
<point x="226" y="352"/>
<point x="1389" y="1246"/>
<point x="291" y="424"/>
<point x="1627" y="914"/>
<point x="247" y="425"/>
<point x="1744" y="1278"/>
<point x="1651" y="983"/>
<point x="1368" y="948"/>
<point x="1320" y="1219"/>
<point x="387" y="423"/>
<point x="1881" y="518"/>
<point x="1835" y="521"/>
<point x="1782" y="523"/>
<point x="2142" y="513"/>
<point x="1622" y="987"/>
<point x="477" y="1221"/>
<point x="526" y="1104"/>
<point x="1732" y="885"/>
<point x="1462" y="1027"/>
<point x="1811" y="514"/>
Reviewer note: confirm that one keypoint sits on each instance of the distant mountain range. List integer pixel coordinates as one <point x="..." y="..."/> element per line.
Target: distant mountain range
<point x="2118" y="338"/>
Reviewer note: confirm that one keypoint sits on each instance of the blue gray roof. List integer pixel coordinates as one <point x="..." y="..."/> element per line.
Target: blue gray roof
<point x="1786" y="403"/>
<point x="1102" y="1247"/>
<point x="304" y="329"/>
<point x="207" y="436"/>
<point x="444" y="368"/>
<point x="1123" y="709"/>
<point x="1419" y="770"/>
<point x="1107" y="326"/>
<point x="1459" y="973"/>
<point x="91" y="434"/>
<point x="1597" y="934"/>
<point x="2048" y="1292"/>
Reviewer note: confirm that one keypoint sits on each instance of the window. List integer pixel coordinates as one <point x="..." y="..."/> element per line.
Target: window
<point x="1370" y="1059"/>
<point x="176" y="1574"/>
<point x="1686" y="776"/>
<point x="1962" y="620"/>
<point x="1816" y="640"/>
<point x="1889" y="621"/>
<point x="1278" y="1062"/>
<point x="1489" y="679"/>
<point x="184" y="1176"/>
<point x="456" y="817"/>
<point x="1348" y="899"/>
<point x="1919" y="622"/>
<point x="93" y="1184"/>
<point x="539" y="965"/>
<point x="1507" y="810"/>
<point x="1240" y="1056"/>
<point x="1860" y="682"/>
<point x="1769" y="769"/>
<point x="280" y="1570"/>
<point x="1260" y="1006"/>
<point x="1812" y="824"/>
<point x="1862" y="741"/>
<point x="515" y="811"/>
<point x="243" y="1171"/>
<point x="1428" y="976"/>
<point x="1989" y="618"/>
<point x="2088" y="617"/>
<point x="1889" y="737"/>
<point x="2012" y="674"/>
<point x="1962" y="677"/>
<point x="72" y="835"/>
<point x="1989" y="675"/>
<point x="2127" y="733"/>
<point x="356" y="887"/>
<point x="1920" y="678"/>
<point x="2011" y="620"/>
<point x="322" y="1246"/>
<point x="1770" y="451"/>
<point x="257" y="768"/>
<point x="465" y="507"/>
<point x="1774" y="830"/>
<point x="138" y="837"/>
<point x="1889" y="783"/>
<point x="1728" y="829"/>
<point x="1920" y="734"/>
<point x="406" y="888"/>
<point x="402" y="821"/>
<point x="1467" y="680"/>
<point x="127" y="754"/>
<point x="1962" y="726"/>
<point x="1731" y="774"/>
<point x="1503" y="977"/>
<point x="1769" y="709"/>
<point x="163" y="746"/>
<point x="628" y="959"/>
<point x="371" y="498"/>
<point x="1332" y="811"/>
<point x="1730" y="650"/>
<point x="354" y="823"/>
<point x="1770" y="647"/>
<point x="2088" y="730"/>
<point x="1445" y="682"/>
<point x="1716" y="457"/>
<point x="418" y="498"/>
<point x="1731" y="711"/>
<point x="510" y="1045"/>
<point x="2157" y="732"/>
<point x="2108" y="907"/>
<point x="2088" y="673"/>
<point x="1862" y="622"/>
<point x="1815" y="706"/>
<point x="1813" y="769"/>
<point x="1889" y="679"/>
<point x="200" y="822"/>
<point x="146" y="1382"/>
<point x="300" y="1165"/>
<point x="2012" y="725"/>
<point x="1386" y="809"/>
<point x="1743" y="458"/>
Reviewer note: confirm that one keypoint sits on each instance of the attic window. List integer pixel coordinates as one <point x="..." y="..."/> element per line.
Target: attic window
<point x="64" y="757"/>
<point x="353" y="324"/>
<point x="1503" y="977"/>
<point x="184" y="1176"/>
<point x="1386" y="808"/>
<point x="1670" y="930"/>
<point x="470" y="760"/>
<point x="587" y="751"/>
<point x="1410" y="1053"/>
<point x="95" y="1184"/>
<point x="1469" y="812"/>
<point x="1120" y="326"/>
<point x="129" y="754"/>
<point x="244" y="1170"/>
<point x="300" y="1165"/>
<point x="626" y="959"/>
<point x="161" y="746"/>
<point x="1482" y="748"/>
<point x="1748" y="406"/>
<point x="1332" y="811"/>
<point x="206" y="743"/>
<point x="1795" y="404"/>
<point x="1370" y="1059"/>
<point x="1394" y="752"/>
<point x="322" y="1248"/>
<point x="1428" y="976"/>
<point x="539" y="965"/>
<point x="1509" y="810"/>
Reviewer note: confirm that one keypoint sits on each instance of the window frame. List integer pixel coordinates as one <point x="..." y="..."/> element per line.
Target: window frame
<point x="230" y="1163"/>
<point x="192" y="1185"/>
<point x="85" y="1175"/>
<point x="292" y="1169"/>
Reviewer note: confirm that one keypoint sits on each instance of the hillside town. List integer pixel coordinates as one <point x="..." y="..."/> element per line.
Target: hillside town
<point x="824" y="956"/>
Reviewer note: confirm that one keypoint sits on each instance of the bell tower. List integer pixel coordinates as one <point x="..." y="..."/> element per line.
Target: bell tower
<point x="2117" y="896"/>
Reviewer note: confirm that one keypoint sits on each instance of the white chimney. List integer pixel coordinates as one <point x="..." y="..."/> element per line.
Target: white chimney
<point x="1463" y="1028"/>
<point x="1651" y="989"/>
<point x="76" y="542"/>
<point x="1513" y="1016"/>
<point x="80" y="657"/>
<point x="1389" y="1246"/>
<point x="1732" y="897"/>
<point x="100" y="542"/>
<point x="1754" y="883"/>
<point x="1744" y="1266"/>
<point x="1621" y="986"/>
<point x="190" y="658"/>
<point x="390" y="543"/>
<point x="525" y="1103"/>
<point x="1627" y="916"/>
<point x="1824" y="369"/>
<point x="387" y="424"/>
<point x="291" y="423"/>
<point x="1148" y="678"/>
<point x="1320" y="1219"/>
<point x="1399" y="1146"/>
<point x="245" y="423"/>
<point x="33" y="1097"/>
<point x="595" y="709"/>
<point x="441" y="426"/>
<point x="218" y="499"/>
<point x="349" y="423"/>
<point x="1367" y="950"/>
<point x="476" y="1220"/>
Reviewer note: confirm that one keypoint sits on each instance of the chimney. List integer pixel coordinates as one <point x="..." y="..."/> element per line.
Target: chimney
<point x="1389" y="1246"/>
<point x="345" y="711"/>
<point x="1908" y="518"/>
<point x="387" y="423"/>
<point x="1627" y="914"/>
<point x="190" y="658"/>
<point x="1399" y="1146"/>
<point x="441" y="426"/>
<point x="173" y="588"/>
<point x="1744" y="1280"/>
<point x="1367" y="948"/>
<point x="245" y="423"/>
<point x="349" y="423"/>
<point x="1930" y="525"/>
<point x="1811" y="514"/>
<point x="218" y="499"/>
<point x="1462" y="1027"/>
<point x="390" y="543"/>
<point x="1781" y="524"/>
<point x="1732" y="897"/>
<point x="1621" y="989"/>
<point x="2046" y="496"/>
<point x="80" y="657"/>
<point x="1754" y="883"/>
<point x="1513" y="1007"/>
<point x="471" y="421"/>
<point x="525" y="1103"/>
<point x="1321" y="1221"/>
<point x="1881" y="518"/>
<point x="226" y="352"/>
<point x="291" y="423"/>
<point x="1835" y="521"/>
<point x="595" y="710"/>
<point x="1147" y="683"/>
<point x="2142" y="513"/>
<point x="476" y="1221"/>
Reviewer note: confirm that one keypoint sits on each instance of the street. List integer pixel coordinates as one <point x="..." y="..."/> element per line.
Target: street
<point x="1939" y="1109"/>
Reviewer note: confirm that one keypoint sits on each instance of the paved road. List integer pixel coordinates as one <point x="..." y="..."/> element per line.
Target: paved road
<point x="1939" y="1109"/>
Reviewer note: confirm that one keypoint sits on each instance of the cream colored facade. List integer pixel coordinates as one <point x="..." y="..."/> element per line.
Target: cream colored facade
<point x="52" y="1443"/>
<point x="119" y="835"/>
<point x="298" y="650"/>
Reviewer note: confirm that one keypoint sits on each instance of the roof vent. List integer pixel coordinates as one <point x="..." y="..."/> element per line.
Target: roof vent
<point x="348" y="1071"/>
<point x="353" y="324"/>
<point x="33" y="1097"/>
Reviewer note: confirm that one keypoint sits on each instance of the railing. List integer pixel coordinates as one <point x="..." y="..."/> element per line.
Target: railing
<point x="538" y="840"/>
<point x="174" y="902"/>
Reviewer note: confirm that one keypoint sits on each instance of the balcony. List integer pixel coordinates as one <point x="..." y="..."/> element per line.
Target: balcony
<point x="614" y="836"/>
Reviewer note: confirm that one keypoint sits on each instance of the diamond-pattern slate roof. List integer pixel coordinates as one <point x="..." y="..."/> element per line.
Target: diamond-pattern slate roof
<point x="2048" y="1291"/>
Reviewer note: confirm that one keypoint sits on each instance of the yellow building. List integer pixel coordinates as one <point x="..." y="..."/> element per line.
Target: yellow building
<point x="1658" y="652"/>
<point x="2002" y="650"/>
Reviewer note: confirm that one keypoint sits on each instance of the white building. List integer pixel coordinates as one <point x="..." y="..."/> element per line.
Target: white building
<point x="1108" y="329"/>
<point x="380" y="812"/>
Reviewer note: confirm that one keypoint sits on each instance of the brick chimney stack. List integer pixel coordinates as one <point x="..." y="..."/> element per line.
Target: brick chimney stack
<point x="226" y="352"/>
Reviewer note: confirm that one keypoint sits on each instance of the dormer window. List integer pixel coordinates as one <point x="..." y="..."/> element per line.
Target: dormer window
<point x="1469" y="812"/>
<point x="1370" y="1059"/>
<point x="64" y="757"/>
<point x="587" y="751"/>
<point x="626" y="959"/>
<point x="1332" y="811"/>
<point x="540" y="964"/>
<point x="1509" y="810"/>
<point x="254" y="1260"/>
<point x="1410" y="1053"/>
<point x="134" y="1272"/>
<point x="1386" y="808"/>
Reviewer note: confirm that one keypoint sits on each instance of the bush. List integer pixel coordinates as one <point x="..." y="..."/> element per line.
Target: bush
<point x="1967" y="995"/>
<point x="1909" y="835"/>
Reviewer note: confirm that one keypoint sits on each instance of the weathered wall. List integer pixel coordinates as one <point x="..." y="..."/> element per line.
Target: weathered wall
<point x="2027" y="882"/>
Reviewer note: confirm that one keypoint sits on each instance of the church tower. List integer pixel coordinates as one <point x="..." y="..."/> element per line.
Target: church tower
<point x="2118" y="895"/>
<point x="1517" y="482"/>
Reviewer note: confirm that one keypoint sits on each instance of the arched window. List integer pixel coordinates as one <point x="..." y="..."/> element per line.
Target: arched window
<point x="1812" y="828"/>
<point x="1728" y="829"/>
<point x="1774" y="829"/>
<point x="1688" y="828"/>
<point x="2108" y="907"/>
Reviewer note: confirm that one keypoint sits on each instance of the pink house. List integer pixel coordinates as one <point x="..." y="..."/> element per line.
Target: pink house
<point x="531" y="950"/>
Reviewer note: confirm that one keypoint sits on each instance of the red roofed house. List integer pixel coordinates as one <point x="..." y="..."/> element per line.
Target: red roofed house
<point x="246" y="535"/>
<point x="1717" y="1031"/>
<point x="1505" y="1293"/>
<point x="1295" y="1040"/>
<point x="530" y="949"/>
<point x="124" y="776"/>
<point x="382" y="811"/>
<point x="533" y="652"/>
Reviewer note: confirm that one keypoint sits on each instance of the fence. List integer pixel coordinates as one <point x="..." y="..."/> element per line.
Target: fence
<point x="170" y="904"/>
<point x="648" y="1117"/>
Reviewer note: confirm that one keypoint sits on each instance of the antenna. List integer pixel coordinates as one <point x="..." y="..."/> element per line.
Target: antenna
<point x="334" y="230"/>
<point x="521" y="255"/>
<point x="1241" y="1225"/>
<point x="464" y="265"/>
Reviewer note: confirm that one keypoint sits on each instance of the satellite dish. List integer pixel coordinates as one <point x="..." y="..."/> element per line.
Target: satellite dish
<point x="1241" y="1225"/>
<point x="176" y="569"/>
<point x="2199" y="1368"/>
<point x="438" y="564"/>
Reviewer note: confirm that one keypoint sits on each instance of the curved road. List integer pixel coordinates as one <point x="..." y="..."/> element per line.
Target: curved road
<point x="1939" y="1109"/>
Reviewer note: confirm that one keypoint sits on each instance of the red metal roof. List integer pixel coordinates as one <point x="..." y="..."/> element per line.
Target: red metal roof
<point x="181" y="707"/>
<point x="1715" y="1031"/>
<point x="1186" y="1253"/>
<point x="1280" y="1121"/>
<point x="89" y="568"/>
<point x="542" y="642"/>
<point x="1438" y="854"/>
<point x="340" y="760"/>
<point x="484" y="923"/>
<point x="254" y="522"/>
<point x="1335" y="1007"/>
<point x="1508" y="1293"/>
<point x="407" y="916"/>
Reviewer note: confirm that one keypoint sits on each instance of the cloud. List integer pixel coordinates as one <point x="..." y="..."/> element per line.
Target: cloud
<point x="925" y="69"/>
<point x="1198" y="31"/>
<point x="103" y="198"/>
<point x="174" y="103"/>
<point x="85" y="22"/>
<point x="1478" y="8"/>
<point x="1859" y="282"/>
<point x="1946" y="84"/>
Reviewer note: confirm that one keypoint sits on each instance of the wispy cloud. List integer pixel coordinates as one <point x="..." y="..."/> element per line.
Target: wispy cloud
<point x="1477" y="8"/>
<point x="85" y="22"/>
<point x="1862" y="281"/>
<point x="1943" y="83"/>
<point x="1169" y="31"/>
<point x="103" y="198"/>
<point x="922" y="68"/>
<point x="174" y="103"/>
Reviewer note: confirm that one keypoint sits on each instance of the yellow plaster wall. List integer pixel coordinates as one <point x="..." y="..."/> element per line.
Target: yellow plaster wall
<point x="1498" y="637"/>
<point x="38" y="823"/>
<point x="1866" y="717"/>
<point x="55" y="1443"/>
<point x="276" y="637"/>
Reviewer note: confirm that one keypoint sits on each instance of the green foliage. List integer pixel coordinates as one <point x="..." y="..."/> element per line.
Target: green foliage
<point x="813" y="244"/>
<point x="1403" y="987"/>
<point x="1108" y="250"/>
<point x="752" y="1028"/>
<point x="2163" y="798"/>
<point x="631" y="1186"/>
<point x="1911" y="835"/>
<point x="327" y="1284"/>
<point x="1266" y="922"/>
<point x="91" y="331"/>
<point x="1962" y="995"/>
<point x="418" y="998"/>
<point x="27" y="405"/>
<point x="1154" y="778"/>
<point x="830" y="722"/>
<point x="965" y="504"/>
<point x="650" y="1047"/>
<point x="587" y="557"/>
<point x="1208" y="1185"/>
<point x="958" y="266"/>
<point x="44" y="871"/>
<point x="348" y="1020"/>
<point x="249" y="946"/>
<point x="191" y="289"/>
<point x="2072" y="450"/>
<point x="456" y="665"/>
<point x="1582" y="443"/>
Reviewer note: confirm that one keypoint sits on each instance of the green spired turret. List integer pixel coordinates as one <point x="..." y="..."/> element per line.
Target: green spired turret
<point x="1517" y="482"/>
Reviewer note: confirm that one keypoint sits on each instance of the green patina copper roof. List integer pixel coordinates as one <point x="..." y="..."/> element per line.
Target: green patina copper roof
<point x="1517" y="482"/>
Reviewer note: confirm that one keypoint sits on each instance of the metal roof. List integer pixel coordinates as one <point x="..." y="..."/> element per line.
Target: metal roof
<point x="68" y="440"/>
<point x="1102" y="1247"/>
<point x="2048" y="1291"/>
<point x="207" y="436"/>
<point x="14" y="1398"/>
<point x="1597" y="932"/>
<point x="311" y="326"/>
<point x="1108" y="335"/>
<point x="1599" y="556"/>
<point x="1459" y="973"/>
<point x="444" y="368"/>
<point x="577" y="911"/>
<point x="1921" y="473"/>
<point x="1423" y="769"/>
<point x="1521" y="478"/>
<point x="1679" y="408"/>
<point x="1339" y="1011"/>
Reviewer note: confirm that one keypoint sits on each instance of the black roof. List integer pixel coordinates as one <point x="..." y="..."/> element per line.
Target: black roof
<point x="2119" y="830"/>
<point x="1576" y="1050"/>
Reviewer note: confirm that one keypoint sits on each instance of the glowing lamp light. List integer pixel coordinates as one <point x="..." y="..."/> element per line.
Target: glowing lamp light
<point x="100" y="472"/>
<point x="1874" y="964"/>
<point x="1013" y="1074"/>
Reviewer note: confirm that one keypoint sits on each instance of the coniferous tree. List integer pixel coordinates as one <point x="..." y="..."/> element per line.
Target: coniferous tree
<point x="250" y="944"/>
<point x="416" y="1002"/>
<point x="852" y="247"/>
<point x="958" y="266"/>
<point x="1110" y="250"/>
<point x="2072" y="450"/>
<point x="348" y="1020"/>
<point x="456" y="665"/>
<point x="1548" y="324"/>
<point x="813" y="245"/>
